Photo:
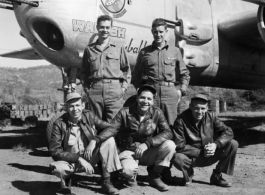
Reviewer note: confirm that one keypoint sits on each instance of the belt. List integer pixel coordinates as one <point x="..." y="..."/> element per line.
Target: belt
<point x="162" y="83"/>
<point x="107" y="81"/>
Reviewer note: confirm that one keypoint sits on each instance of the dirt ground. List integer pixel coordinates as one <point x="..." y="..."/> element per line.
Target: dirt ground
<point x="27" y="172"/>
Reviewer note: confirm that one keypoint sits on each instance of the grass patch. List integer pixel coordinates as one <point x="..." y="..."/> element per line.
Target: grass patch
<point x="20" y="148"/>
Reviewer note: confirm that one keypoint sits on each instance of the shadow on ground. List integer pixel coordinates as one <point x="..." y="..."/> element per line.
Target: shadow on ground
<point x="37" y="187"/>
<point x="243" y="129"/>
<point x="31" y="137"/>
<point x="32" y="168"/>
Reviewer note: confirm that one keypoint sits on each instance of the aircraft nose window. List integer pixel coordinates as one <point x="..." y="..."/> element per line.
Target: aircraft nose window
<point x="49" y="35"/>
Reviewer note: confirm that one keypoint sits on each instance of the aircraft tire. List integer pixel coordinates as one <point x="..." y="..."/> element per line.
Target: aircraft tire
<point x="50" y="125"/>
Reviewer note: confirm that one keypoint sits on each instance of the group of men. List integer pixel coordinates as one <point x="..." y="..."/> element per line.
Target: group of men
<point x="148" y="132"/>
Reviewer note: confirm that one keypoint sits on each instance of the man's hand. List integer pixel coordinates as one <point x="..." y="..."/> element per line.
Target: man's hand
<point x="209" y="149"/>
<point x="87" y="166"/>
<point x="124" y="90"/>
<point x="140" y="150"/>
<point x="89" y="150"/>
<point x="186" y="161"/>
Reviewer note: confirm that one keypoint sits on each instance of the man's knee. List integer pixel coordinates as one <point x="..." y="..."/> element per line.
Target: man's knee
<point x="232" y="145"/>
<point x="61" y="169"/>
<point x="130" y="168"/>
<point x="109" y="143"/>
<point x="168" y="146"/>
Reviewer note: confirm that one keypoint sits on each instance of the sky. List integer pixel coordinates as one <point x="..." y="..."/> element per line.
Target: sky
<point x="10" y="40"/>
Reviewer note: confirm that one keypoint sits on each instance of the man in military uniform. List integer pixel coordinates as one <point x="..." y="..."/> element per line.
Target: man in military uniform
<point x="144" y="138"/>
<point x="162" y="66"/>
<point x="201" y="140"/>
<point x="105" y="72"/>
<point x="76" y="145"/>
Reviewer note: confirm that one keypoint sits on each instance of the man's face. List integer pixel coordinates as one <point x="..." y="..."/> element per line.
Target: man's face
<point x="104" y="28"/>
<point x="75" y="108"/>
<point x="159" y="34"/>
<point x="144" y="100"/>
<point x="198" y="109"/>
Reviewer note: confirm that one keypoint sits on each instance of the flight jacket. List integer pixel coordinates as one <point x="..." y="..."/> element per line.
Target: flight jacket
<point x="90" y="124"/>
<point x="190" y="139"/>
<point x="153" y="130"/>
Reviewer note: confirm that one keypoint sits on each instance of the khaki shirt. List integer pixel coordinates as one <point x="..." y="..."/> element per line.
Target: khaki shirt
<point x="77" y="142"/>
<point x="154" y="65"/>
<point x="109" y="63"/>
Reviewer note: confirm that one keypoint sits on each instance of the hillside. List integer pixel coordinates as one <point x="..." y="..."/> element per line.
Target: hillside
<point x="41" y="77"/>
<point x="39" y="85"/>
<point x="30" y="85"/>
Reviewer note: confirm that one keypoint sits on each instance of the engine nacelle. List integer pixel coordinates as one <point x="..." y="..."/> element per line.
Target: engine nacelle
<point x="261" y="24"/>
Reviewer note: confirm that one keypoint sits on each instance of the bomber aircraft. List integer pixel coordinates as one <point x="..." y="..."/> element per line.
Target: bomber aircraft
<point x="222" y="41"/>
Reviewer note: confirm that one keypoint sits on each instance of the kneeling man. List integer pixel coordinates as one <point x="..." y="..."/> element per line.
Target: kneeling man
<point x="74" y="148"/>
<point x="144" y="138"/>
<point x="201" y="140"/>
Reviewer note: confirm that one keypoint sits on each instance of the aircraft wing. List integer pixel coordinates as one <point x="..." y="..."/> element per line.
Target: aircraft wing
<point x="25" y="54"/>
<point x="242" y="28"/>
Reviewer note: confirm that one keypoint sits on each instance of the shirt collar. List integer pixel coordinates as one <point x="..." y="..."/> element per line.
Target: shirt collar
<point x="82" y="119"/>
<point x="110" y="43"/>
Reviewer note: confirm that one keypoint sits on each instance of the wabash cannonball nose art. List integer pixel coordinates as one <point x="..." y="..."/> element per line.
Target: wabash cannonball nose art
<point x="113" y="6"/>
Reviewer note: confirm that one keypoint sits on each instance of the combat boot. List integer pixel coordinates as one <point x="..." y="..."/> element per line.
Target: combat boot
<point x="108" y="187"/>
<point x="216" y="179"/>
<point x="156" y="182"/>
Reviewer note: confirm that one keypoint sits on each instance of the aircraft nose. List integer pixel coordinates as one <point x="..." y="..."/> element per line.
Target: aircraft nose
<point x="48" y="34"/>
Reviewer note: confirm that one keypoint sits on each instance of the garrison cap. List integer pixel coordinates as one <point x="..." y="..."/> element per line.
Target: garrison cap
<point x="71" y="96"/>
<point x="146" y="86"/>
<point x="200" y="96"/>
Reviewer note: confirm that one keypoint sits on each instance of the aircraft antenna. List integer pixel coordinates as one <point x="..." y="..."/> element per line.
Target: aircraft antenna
<point x="32" y="3"/>
<point x="11" y="2"/>
<point x="5" y="6"/>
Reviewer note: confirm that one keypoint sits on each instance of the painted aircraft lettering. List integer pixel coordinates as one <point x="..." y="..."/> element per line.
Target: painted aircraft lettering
<point x="90" y="27"/>
<point x="135" y="49"/>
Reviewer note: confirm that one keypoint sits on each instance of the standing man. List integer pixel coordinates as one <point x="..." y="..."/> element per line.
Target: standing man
<point x="105" y="72"/>
<point x="202" y="140"/>
<point x="76" y="146"/>
<point x="144" y="138"/>
<point x="162" y="66"/>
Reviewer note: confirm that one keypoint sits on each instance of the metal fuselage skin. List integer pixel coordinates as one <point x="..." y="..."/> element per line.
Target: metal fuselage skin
<point x="60" y="30"/>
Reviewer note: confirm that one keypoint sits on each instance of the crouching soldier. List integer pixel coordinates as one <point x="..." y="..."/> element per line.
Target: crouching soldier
<point x="201" y="140"/>
<point x="144" y="138"/>
<point x="74" y="148"/>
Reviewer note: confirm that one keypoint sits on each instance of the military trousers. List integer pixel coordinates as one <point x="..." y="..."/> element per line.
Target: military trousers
<point x="159" y="157"/>
<point x="105" y="98"/>
<point x="107" y="153"/>
<point x="226" y="156"/>
<point x="167" y="100"/>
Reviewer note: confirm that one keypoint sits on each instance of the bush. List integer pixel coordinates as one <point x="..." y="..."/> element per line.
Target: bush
<point x="30" y="100"/>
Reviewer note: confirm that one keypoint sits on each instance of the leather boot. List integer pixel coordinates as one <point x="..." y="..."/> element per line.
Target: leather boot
<point x="156" y="182"/>
<point x="108" y="187"/>
<point x="216" y="179"/>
